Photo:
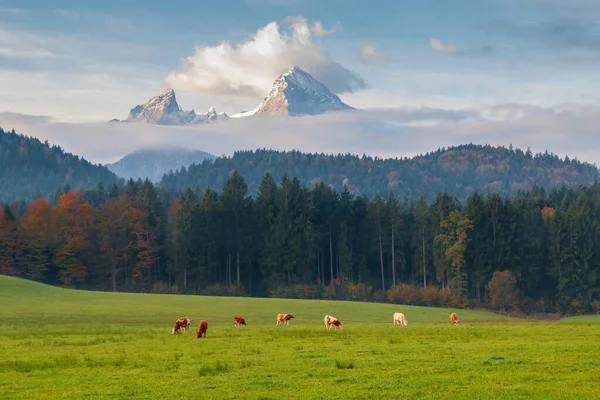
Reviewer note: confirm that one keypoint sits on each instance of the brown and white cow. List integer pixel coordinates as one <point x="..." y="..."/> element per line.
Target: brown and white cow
<point x="284" y="319"/>
<point x="329" y="321"/>
<point x="202" y="327"/>
<point x="454" y="319"/>
<point x="399" y="318"/>
<point x="332" y="322"/>
<point x="181" y="323"/>
<point x="237" y="321"/>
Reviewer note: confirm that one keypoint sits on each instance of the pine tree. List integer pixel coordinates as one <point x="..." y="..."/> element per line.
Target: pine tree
<point x="453" y="240"/>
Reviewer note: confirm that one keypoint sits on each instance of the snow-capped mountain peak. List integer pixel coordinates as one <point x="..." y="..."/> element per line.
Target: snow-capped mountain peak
<point x="161" y="109"/>
<point x="296" y="93"/>
<point x="210" y="116"/>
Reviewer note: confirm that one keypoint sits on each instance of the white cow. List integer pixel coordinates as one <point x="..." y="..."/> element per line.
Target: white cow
<point x="400" y="318"/>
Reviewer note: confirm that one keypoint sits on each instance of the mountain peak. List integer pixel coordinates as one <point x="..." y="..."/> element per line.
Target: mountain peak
<point x="212" y="115"/>
<point x="293" y="70"/>
<point x="154" y="162"/>
<point x="161" y="109"/>
<point x="296" y="93"/>
<point x="168" y="92"/>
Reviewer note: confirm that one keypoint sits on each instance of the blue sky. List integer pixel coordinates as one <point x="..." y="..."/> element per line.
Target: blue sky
<point x="87" y="62"/>
<point x="464" y="52"/>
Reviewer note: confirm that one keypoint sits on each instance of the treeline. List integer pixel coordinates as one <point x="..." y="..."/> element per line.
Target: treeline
<point x="30" y="168"/>
<point x="536" y="252"/>
<point x="460" y="171"/>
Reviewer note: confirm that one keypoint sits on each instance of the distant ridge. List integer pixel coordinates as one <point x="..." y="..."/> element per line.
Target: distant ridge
<point x="154" y="163"/>
<point x="459" y="170"/>
<point x="31" y="168"/>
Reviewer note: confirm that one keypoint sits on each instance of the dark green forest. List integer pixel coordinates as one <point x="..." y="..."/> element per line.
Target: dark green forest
<point x="534" y="252"/>
<point x="30" y="168"/>
<point x="460" y="171"/>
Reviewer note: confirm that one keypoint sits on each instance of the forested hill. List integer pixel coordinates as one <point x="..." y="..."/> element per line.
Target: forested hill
<point x="459" y="170"/>
<point x="29" y="168"/>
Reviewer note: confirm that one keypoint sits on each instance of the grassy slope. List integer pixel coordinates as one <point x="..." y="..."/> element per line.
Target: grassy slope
<point x="51" y="304"/>
<point x="582" y="319"/>
<point x="72" y="344"/>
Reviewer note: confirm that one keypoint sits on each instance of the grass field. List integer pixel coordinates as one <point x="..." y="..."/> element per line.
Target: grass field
<point x="57" y="343"/>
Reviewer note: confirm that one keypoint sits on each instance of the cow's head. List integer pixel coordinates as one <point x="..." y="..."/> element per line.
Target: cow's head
<point x="198" y="334"/>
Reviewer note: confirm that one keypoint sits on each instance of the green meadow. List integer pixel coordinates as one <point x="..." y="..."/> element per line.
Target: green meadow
<point x="67" y="344"/>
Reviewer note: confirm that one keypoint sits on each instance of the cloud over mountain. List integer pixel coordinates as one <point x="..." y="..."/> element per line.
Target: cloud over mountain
<point x="249" y="68"/>
<point x="384" y="132"/>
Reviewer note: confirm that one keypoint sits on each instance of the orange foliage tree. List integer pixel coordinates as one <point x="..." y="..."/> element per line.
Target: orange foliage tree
<point x="144" y="243"/>
<point x="36" y="228"/>
<point x="73" y="218"/>
<point x="503" y="292"/>
<point x="596" y="306"/>
<point x="548" y="213"/>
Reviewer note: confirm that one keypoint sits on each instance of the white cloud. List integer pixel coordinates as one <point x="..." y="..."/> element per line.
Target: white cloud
<point x="319" y="30"/>
<point x="249" y="68"/>
<point x="437" y="45"/>
<point x="369" y="55"/>
<point x="565" y="130"/>
<point x="77" y="97"/>
<point x="17" y="44"/>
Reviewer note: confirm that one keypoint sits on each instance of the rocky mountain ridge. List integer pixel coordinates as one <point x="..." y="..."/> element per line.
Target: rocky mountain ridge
<point x="294" y="93"/>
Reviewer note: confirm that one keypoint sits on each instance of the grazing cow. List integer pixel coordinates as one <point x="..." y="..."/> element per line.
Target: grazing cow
<point x="181" y="323"/>
<point x="454" y="319"/>
<point x="337" y="324"/>
<point x="400" y="319"/>
<point x="329" y="321"/>
<point x="284" y="318"/>
<point x="202" y="327"/>
<point x="237" y="321"/>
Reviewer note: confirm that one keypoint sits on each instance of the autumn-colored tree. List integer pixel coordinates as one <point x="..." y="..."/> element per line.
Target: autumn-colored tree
<point x="73" y="218"/>
<point x="503" y="292"/>
<point x="596" y="306"/>
<point x="143" y="243"/>
<point x="10" y="243"/>
<point x="36" y="227"/>
<point x="453" y="239"/>
<point x="547" y="214"/>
